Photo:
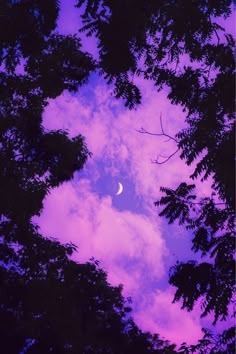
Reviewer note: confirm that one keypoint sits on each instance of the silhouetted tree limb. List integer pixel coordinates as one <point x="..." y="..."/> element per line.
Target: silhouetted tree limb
<point x="163" y="133"/>
<point x="166" y="158"/>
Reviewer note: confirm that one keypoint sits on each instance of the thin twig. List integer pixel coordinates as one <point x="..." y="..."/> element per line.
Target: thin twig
<point x="144" y="131"/>
<point x="167" y="159"/>
<point x="166" y="141"/>
<point x="163" y="133"/>
<point x="161" y="124"/>
<point x="218" y="38"/>
<point x="189" y="202"/>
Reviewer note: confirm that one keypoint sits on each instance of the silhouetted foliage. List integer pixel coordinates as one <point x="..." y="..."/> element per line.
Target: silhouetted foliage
<point x="51" y="304"/>
<point x="223" y="343"/>
<point x="212" y="226"/>
<point x="48" y="302"/>
<point x="180" y="45"/>
<point x="32" y="159"/>
<point x="175" y="43"/>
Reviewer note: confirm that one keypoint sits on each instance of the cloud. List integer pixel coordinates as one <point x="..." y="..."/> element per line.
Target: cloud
<point x="128" y="245"/>
<point x="130" y="248"/>
<point x="129" y="241"/>
<point x="112" y="136"/>
<point x="158" y="314"/>
<point x="127" y="238"/>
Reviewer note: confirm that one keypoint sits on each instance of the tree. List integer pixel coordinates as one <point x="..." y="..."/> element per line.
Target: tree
<point x="180" y="44"/>
<point x="52" y="304"/>
<point x="48" y="302"/>
<point x="212" y="280"/>
<point x="135" y="38"/>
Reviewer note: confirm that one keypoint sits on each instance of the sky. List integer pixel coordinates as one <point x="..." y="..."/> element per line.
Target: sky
<point x="124" y="232"/>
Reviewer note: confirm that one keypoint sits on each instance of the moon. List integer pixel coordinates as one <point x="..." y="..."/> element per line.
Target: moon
<point x="120" y="189"/>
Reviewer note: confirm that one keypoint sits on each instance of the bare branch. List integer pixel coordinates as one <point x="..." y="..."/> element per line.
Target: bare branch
<point x="163" y="133"/>
<point x="161" y="124"/>
<point x="144" y="131"/>
<point x="166" y="141"/>
<point x="166" y="158"/>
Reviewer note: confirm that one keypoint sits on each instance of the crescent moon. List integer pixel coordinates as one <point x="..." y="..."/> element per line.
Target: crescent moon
<point x="120" y="189"/>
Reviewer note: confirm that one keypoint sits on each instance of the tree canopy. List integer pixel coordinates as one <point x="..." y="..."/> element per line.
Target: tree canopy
<point x="49" y="303"/>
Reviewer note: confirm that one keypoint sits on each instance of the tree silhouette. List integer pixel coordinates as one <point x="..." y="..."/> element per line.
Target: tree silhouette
<point x="52" y="304"/>
<point x="48" y="302"/>
<point x="213" y="236"/>
<point x="179" y="44"/>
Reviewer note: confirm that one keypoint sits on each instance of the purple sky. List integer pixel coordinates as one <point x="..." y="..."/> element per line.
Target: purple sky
<point x="124" y="232"/>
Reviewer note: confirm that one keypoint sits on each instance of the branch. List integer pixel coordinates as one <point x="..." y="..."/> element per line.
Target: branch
<point x="217" y="36"/>
<point x="144" y="131"/>
<point x="163" y="133"/>
<point x="201" y="202"/>
<point x="166" y="158"/>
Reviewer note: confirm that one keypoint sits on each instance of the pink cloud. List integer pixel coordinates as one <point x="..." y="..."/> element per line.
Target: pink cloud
<point x="111" y="134"/>
<point x="159" y="315"/>
<point x="126" y="243"/>
<point x="129" y="245"/>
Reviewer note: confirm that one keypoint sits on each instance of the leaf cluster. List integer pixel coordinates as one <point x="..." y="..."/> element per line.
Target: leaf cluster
<point x="212" y="227"/>
<point x="213" y="344"/>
